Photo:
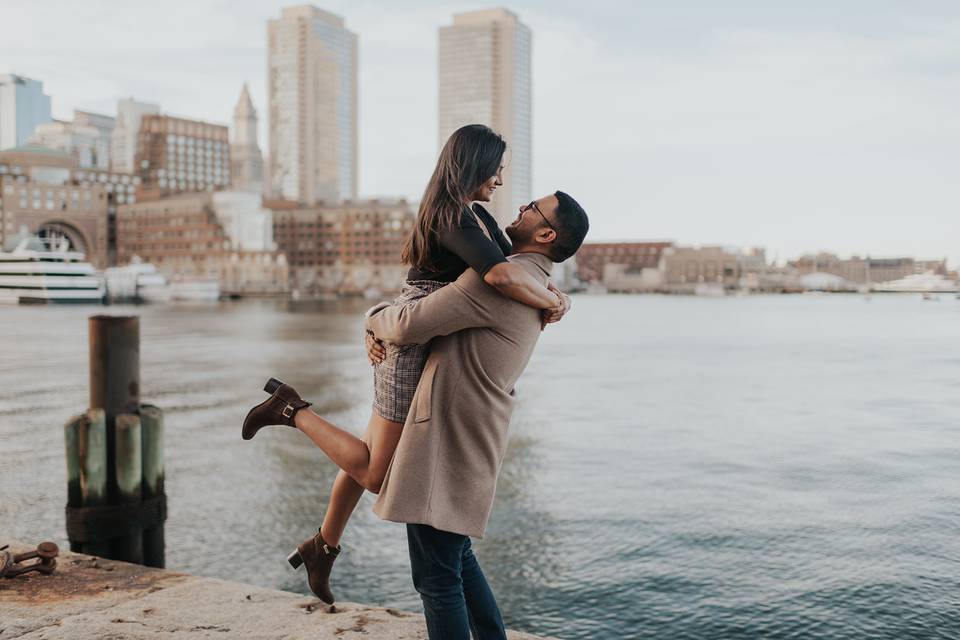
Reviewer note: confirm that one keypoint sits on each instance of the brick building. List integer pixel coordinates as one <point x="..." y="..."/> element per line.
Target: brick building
<point x="177" y="155"/>
<point x="687" y="267"/>
<point x="198" y="236"/>
<point x="44" y="192"/>
<point x="351" y="247"/>
<point x="865" y="270"/>
<point x="626" y="266"/>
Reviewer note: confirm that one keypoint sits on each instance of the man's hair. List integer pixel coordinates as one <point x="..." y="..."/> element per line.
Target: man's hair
<point x="572" y="226"/>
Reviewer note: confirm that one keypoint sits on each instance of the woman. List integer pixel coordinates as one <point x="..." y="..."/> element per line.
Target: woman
<point x="449" y="237"/>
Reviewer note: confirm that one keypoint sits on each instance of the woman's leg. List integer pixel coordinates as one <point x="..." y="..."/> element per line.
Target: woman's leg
<point x="344" y="497"/>
<point x="346" y="492"/>
<point x="365" y="462"/>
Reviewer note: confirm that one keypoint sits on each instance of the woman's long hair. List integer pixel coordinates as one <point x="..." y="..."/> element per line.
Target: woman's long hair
<point x="470" y="157"/>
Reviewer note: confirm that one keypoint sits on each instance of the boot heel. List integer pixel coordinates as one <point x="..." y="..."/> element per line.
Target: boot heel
<point x="294" y="559"/>
<point x="272" y="385"/>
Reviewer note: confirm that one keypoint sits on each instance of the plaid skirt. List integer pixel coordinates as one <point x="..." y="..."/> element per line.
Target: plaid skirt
<point x="395" y="379"/>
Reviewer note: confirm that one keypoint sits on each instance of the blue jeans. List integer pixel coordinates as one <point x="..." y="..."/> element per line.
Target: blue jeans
<point x="456" y="597"/>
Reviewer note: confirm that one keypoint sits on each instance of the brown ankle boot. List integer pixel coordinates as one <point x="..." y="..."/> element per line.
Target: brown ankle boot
<point x="318" y="557"/>
<point x="279" y="408"/>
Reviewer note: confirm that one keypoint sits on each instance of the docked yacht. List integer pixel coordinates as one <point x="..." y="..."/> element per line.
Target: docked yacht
<point x="43" y="270"/>
<point x="137" y="282"/>
<point x="928" y="282"/>
<point x="140" y="281"/>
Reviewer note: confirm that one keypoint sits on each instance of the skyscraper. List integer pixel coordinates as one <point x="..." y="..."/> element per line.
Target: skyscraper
<point x="246" y="161"/>
<point x="485" y="77"/>
<point x="312" y="83"/>
<point x="23" y="106"/>
<point x="126" y="131"/>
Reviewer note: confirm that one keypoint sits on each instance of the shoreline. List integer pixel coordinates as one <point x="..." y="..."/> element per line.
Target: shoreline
<point x="90" y="597"/>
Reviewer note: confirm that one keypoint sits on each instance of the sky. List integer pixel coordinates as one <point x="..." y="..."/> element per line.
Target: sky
<point x="799" y="127"/>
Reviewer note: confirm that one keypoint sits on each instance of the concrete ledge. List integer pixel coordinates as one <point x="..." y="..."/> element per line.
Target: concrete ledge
<point x="88" y="597"/>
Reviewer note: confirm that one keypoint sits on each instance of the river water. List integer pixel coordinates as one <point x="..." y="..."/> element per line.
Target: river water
<point x="679" y="467"/>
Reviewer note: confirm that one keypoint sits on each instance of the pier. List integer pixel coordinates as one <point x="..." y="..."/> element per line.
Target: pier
<point x="91" y="597"/>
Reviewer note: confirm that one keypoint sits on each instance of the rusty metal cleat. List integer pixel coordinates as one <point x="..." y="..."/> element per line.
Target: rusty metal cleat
<point x="45" y="553"/>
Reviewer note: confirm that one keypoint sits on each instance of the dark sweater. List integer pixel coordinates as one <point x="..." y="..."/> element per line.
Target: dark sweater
<point x="465" y="245"/>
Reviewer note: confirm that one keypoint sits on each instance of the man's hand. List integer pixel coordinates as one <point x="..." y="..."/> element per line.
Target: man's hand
<point x="376" y="352"/>
<point x="554" y="314"/>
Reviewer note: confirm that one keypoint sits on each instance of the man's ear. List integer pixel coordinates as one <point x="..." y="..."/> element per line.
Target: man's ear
<point x="545" y="235"/>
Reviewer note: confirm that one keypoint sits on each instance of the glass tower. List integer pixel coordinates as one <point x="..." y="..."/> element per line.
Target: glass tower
<point x="312" y="67"/>
<point x="23" y="106"/>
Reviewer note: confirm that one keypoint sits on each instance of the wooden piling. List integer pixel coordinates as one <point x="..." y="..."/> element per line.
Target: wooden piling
<point x="115" y="363"/>
<point x="93" y="471"/>
<point x="114" y="376"/>
<point x="151" y="434"/>
<point x="71" y="438"/>
<point x="128" y="471"/>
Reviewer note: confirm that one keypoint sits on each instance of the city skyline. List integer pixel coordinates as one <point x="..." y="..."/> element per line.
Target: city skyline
<point x="713" y="121"/>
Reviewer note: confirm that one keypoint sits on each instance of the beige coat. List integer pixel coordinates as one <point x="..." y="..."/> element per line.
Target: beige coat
<point x="444" y="472"/>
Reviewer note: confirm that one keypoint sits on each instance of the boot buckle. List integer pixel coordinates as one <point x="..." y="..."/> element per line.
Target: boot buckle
<point x="287" y="408"/>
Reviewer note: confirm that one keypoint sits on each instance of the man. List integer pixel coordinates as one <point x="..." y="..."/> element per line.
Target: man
<point x="443" y="476"/>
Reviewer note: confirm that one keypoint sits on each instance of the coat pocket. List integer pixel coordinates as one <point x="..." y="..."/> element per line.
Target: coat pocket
<point x="424" y="396"/>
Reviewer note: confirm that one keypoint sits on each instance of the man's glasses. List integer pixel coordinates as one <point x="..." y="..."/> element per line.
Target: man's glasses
<point x="533" y="205"/>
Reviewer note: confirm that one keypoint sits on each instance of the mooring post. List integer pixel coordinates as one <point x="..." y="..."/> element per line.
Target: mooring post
<point x="151" y="435"/>
<point x="116" y="504"/>
<point x="93" y="471"/>
<point x="114" y="375"/>
<point x="129" y="473"/>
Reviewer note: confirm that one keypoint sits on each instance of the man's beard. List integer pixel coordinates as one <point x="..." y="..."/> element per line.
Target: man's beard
<point x="519" y="236"/>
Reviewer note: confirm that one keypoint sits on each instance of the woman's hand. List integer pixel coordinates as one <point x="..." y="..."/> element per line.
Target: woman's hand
<point x="554" y="314"/>
<point x="514" y="281"/>
<point x="376" y="352"/>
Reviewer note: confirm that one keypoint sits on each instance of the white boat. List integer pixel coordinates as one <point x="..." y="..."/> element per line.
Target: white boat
<point x="138" y="281"/>
<point x="596" y="288"/>
<point x="192" y="291"/>
<point x="709" y="290"/>
<point x="928" y="282"/>
<point x="822" y="281"/>
<point x="44" y="270"/>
